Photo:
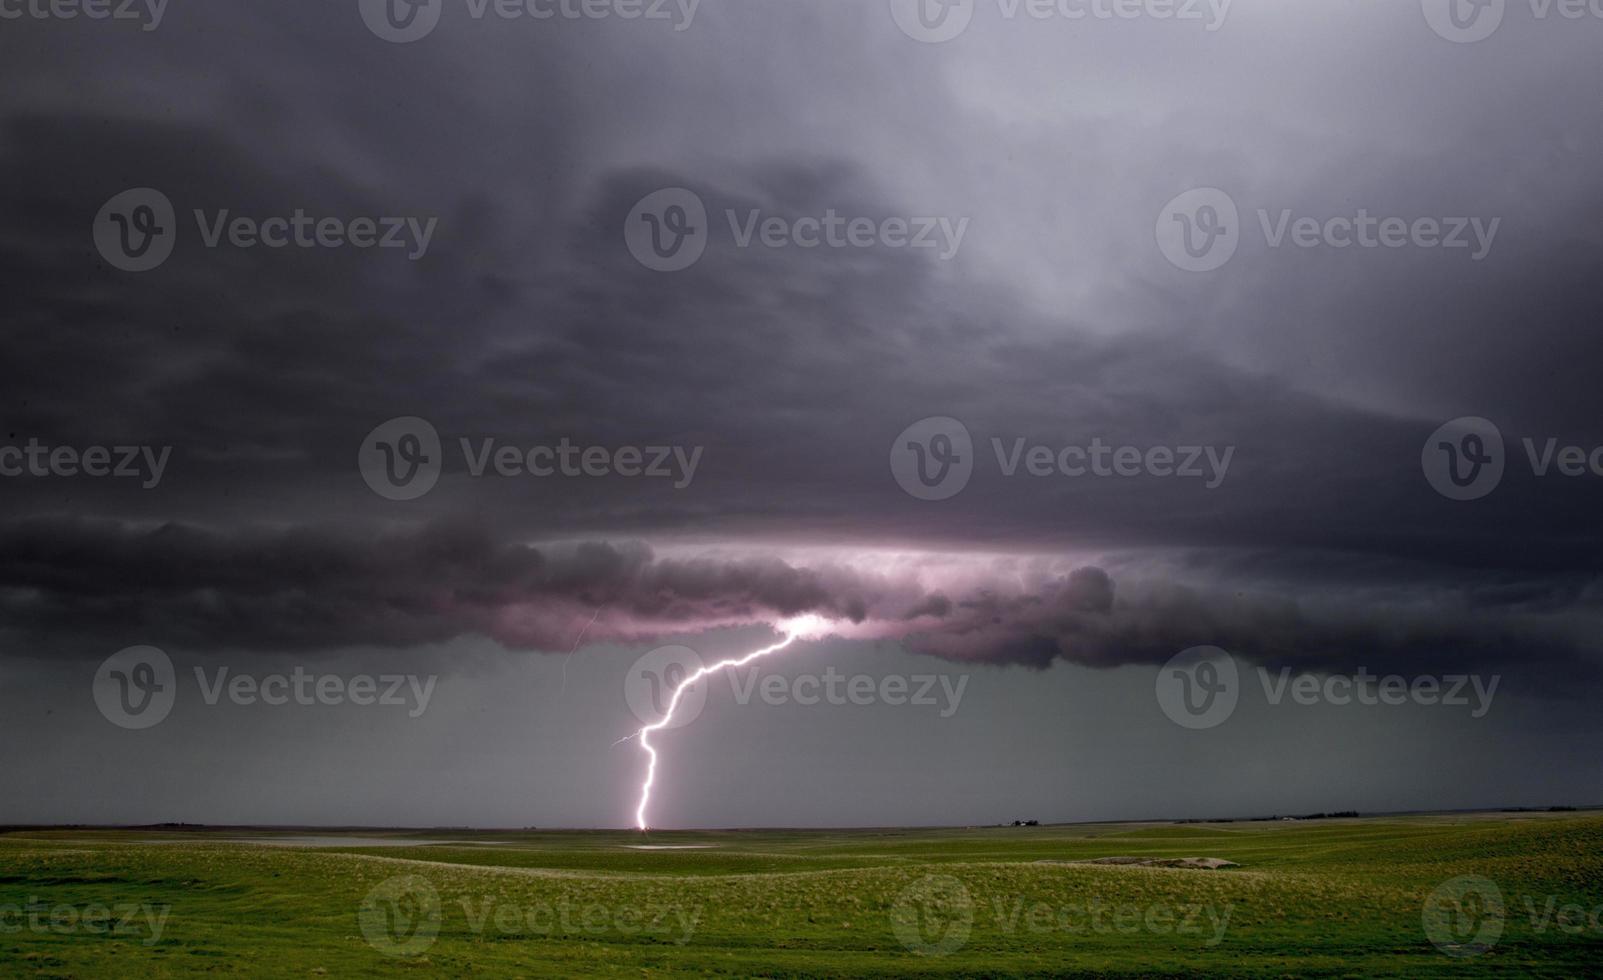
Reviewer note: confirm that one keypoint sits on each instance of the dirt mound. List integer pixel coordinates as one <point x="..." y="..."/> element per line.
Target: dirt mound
<point x="1198" y="864"/>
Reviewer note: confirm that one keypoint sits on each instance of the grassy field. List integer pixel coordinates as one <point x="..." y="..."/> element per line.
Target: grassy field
<point x="1312" y="898"/>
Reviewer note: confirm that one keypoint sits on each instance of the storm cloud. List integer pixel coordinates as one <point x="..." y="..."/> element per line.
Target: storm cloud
<point x="71" y="588"/>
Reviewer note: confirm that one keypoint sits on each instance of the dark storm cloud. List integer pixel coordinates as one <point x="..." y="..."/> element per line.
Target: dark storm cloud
<point x="266" y="393"/>
<point x="318" y="589"/>
<point x="529" y="322"/>
<point x="71" y="587"/>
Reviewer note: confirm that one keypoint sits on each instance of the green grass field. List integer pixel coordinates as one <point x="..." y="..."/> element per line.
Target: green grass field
<point x="1314" y="898"/>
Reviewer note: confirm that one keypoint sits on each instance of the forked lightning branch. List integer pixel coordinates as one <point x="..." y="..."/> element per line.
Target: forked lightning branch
<point x="792" y="630"/>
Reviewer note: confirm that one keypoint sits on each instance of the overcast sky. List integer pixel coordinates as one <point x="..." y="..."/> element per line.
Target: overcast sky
<point x="1280" y="398"/>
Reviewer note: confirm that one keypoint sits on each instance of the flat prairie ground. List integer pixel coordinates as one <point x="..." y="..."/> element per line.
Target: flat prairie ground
<point x="1450" y="896"/>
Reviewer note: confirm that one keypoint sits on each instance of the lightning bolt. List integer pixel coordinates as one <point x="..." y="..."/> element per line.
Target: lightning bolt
<point x="791" y="630"/>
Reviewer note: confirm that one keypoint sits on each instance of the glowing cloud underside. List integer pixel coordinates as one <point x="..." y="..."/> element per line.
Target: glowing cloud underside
<point x="792" y="630"/>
